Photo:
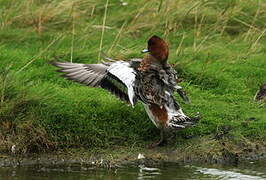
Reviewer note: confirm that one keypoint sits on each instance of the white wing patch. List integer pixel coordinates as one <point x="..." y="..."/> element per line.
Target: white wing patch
<point x="126" y="74"/>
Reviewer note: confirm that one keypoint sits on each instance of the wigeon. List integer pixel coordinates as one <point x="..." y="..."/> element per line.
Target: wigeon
<point x="150" y="80"/>
<point x="261" y="93"/>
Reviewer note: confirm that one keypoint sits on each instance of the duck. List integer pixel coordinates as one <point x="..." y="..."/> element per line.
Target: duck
<point x="149" y="80"/>
<point x="261" y="93"/>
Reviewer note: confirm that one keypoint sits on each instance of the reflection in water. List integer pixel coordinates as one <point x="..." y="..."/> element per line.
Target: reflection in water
<point x="230" y="175"/>
<point x="147" y="173"/>
<point x="170" y="172"/>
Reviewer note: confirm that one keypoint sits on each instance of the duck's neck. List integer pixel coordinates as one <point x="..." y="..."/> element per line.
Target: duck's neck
<point x="149" y="60"/>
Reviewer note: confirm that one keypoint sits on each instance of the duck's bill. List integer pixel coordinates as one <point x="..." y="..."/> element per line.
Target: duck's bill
<point x="144" y="51"/>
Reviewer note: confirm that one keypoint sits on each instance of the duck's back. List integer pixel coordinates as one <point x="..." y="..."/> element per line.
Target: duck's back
<point x="155" y="84"/>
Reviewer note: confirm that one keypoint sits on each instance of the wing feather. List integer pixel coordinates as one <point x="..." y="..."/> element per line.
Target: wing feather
<point x="88" y="74"/>
<point x="114" y="77"/>
<point x="126" y="74"/>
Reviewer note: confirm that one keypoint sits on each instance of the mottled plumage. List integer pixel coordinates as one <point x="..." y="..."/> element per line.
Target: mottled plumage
<point x="150" y="80"/>
<point x="261" y="93"/>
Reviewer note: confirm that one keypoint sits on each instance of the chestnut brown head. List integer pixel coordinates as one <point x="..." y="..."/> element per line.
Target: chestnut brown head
<point x="158" y="48"/>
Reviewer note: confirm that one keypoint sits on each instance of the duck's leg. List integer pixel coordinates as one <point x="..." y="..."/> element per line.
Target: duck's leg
<point x="160" y="142"/>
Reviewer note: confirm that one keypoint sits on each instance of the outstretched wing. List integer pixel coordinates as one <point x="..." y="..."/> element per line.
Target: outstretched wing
<point x="88" y="74"/>
<point x="117" y="77"/>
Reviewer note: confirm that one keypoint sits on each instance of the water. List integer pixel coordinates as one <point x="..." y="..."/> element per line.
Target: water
<point x="246" y="171"/>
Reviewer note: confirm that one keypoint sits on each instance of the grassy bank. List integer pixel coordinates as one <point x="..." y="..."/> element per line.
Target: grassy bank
<point x="217" y="47"/>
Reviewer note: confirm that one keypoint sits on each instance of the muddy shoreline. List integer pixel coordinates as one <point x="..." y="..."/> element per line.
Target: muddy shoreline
<point x="113" y="158"/>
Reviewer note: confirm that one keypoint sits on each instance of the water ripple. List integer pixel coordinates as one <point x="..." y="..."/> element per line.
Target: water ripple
<point x="228" y="175"/>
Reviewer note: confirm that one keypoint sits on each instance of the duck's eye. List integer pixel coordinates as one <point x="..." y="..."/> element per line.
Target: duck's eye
<point x="153" y="41"/>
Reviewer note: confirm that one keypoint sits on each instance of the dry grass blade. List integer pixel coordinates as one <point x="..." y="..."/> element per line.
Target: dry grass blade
<point x="253" y="22"/>
<point x="73" y="33"/>
<point x="103" y="28"/>
<point x="246" y="24"/>
<point x="178" y="50"/>
<point x="116" y="38"/>
<point x="254" y="45"/>
<point x="41" y="53"/>
<point x="4" y="78"/>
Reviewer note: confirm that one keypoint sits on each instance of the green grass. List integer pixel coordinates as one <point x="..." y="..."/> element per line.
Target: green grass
<point x="218" y="48"/>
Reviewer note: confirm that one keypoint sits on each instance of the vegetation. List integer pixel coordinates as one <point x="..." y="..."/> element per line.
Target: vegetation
<point x="217" y="47"/>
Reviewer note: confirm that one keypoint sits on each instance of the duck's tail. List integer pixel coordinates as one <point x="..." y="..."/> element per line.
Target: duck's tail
<point x="177" y="119"/>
